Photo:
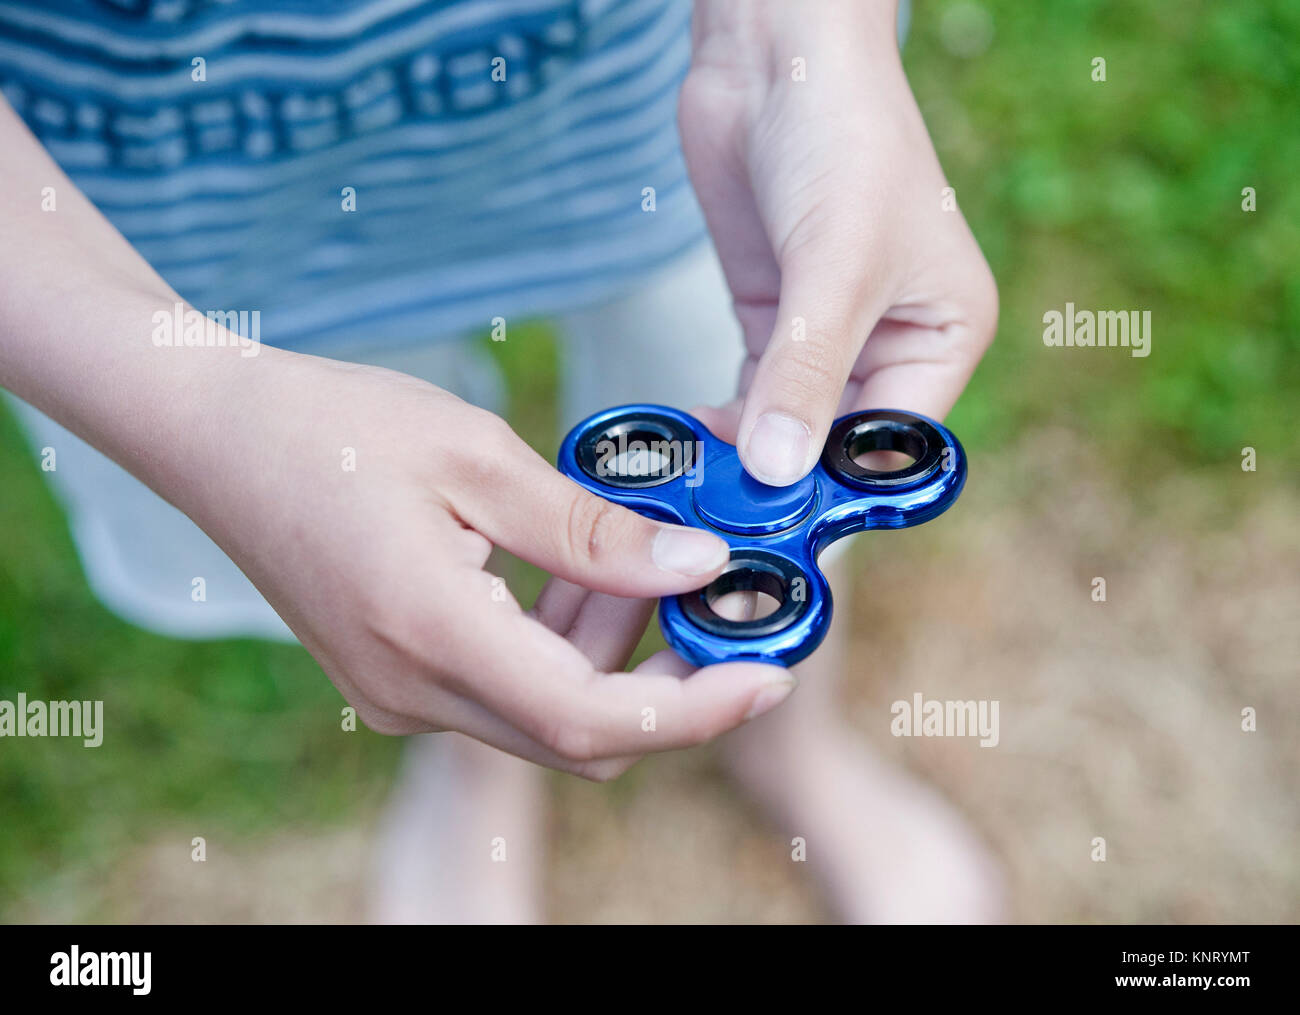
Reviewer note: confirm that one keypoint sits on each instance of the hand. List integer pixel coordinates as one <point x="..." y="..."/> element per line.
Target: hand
<point x="379" y="571"/>
<point x="854" y="286"/>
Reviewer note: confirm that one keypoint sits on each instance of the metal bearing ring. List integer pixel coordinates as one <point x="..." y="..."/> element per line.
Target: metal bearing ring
<point x="751" y="570"/>
<point x="649" y="430"/>
<point x="882" y="430"/>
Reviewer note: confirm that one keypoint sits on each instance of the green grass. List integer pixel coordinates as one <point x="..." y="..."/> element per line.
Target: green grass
<point x="1127" y="194"/>
<point x="236" y="735"/>
<point x="1117" y="195"/>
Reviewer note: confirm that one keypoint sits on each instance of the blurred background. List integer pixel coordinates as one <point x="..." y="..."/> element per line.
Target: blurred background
<point x="1119" y="719"/>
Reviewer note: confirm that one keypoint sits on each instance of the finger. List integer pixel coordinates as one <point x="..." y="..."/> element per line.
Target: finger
<point x="609" y="628"/>
<point x="391" y="724"/>
<point x="666" y="663"/>
<point x="737" y="606"/>
<point x="418" y="709"/>
<point x="558" y="604"/>
<point x="723" y="421"/>
<point x="523" y="504"/>
<point x="545" y="687"/>
<point x="919" y="355"/>
<point x="606" y="629"/>
<point x="470" y="718"/>
<point x="922" y="361"/>
<point x="832" y="295"/>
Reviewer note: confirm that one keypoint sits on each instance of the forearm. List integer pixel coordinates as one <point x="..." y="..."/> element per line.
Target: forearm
<point x="77" y="319"/>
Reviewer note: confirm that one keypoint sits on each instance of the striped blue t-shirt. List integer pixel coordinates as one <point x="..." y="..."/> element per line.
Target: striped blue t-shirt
<point x="387" y="170"/>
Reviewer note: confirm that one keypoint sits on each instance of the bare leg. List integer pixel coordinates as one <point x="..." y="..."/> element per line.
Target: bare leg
<point x="461" y="840"/>
<point x="886" y="847"/>
<point x="461" y="837"/>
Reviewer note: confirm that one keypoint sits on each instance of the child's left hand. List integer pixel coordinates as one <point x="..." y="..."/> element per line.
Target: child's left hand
<point x="855" y="277"/>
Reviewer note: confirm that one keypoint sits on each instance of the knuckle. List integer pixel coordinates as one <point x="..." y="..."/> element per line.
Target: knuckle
<point x="810" y="376"/>
<point x="985" y="314"/>
<point x="407" y="631"/>
<point x="375" y="614"/>
<point x="699" y="726"/>
<point x="700" y="729"/>
<point x="385" y="699"/>
<point x="697" y="93"/>
<point x="479" y="452"/>
<point x="573" y="742"/>
<point x="494" y="432"/>
<point x="604" y="771"/>
<point x="594" y="527"/>
<point x="704" y="730"/>
<point x="387" y="723"/>
<point x="711" y="89"/>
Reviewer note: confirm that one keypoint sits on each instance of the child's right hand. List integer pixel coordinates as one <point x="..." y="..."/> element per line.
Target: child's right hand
<point x="379" y="570"/>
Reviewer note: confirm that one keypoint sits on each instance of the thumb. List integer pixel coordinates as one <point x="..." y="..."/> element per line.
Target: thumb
<point x="519" y="502"/>
<point x="830" y="301"/>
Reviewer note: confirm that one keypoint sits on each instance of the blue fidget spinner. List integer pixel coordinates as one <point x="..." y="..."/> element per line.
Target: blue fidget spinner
<point x="665" y="464"/>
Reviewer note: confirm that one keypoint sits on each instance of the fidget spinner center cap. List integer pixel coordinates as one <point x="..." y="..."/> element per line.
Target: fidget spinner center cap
<point x="729" y="498"/>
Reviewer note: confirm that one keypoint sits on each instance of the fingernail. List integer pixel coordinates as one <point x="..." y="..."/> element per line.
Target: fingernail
<point x="688" y="551"/>
<point x="777" y="449"/>
<point x="770" y="696"/>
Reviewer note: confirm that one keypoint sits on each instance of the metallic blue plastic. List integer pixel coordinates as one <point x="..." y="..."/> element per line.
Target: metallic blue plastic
<point x="796" y="523"/>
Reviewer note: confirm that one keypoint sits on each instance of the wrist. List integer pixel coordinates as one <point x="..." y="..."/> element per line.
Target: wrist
<point x="132" y="370"/>
<point x="767" y="34"/>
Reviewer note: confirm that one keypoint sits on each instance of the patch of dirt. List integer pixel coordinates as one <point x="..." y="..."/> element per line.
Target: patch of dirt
<point x="297" y="876"/>
<point x="1119" y="720"/>
<point x="677" y="845"/>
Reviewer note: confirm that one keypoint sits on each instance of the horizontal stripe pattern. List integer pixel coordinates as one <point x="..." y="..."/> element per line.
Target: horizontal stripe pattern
<point x="474" y="198"/>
